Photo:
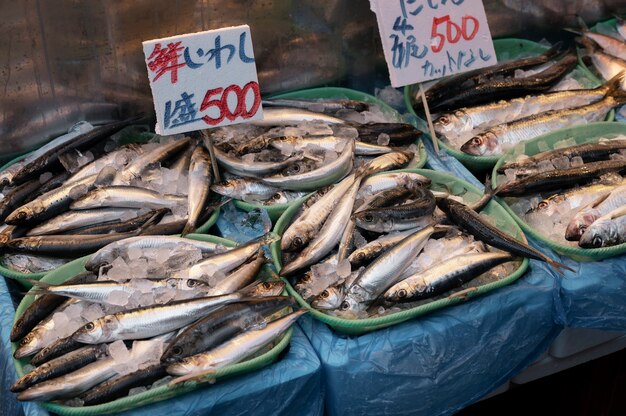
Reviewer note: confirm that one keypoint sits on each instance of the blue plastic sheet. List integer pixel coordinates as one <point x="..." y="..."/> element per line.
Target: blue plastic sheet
<point x="290" y="386"/>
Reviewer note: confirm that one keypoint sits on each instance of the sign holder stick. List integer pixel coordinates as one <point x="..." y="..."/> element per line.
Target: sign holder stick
<point x="429" y="119"/>
<point x="208" y="142"/>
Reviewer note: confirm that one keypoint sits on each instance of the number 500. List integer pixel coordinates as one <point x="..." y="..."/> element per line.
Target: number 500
<point x="453" y="32"/>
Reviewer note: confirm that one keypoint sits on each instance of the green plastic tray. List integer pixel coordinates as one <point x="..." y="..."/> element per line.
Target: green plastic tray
<point x="360" y="326"/>
<point x="125" y="139"/>
<point x="591" y="132"/>
<point x="275" y="211"/>
<point x="158" y="394"/>
<point x="506" y="49"/>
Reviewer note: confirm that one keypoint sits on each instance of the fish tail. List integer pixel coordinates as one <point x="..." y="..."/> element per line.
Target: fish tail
<point x="558" y="267"/>
<point x="189" y="228"/>
<point x="614" y="84"/>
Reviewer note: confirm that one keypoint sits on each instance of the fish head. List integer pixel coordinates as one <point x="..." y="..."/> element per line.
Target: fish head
<point x="226" y="188"/>
<point x="292" y="242"/>
<point x="96" y="331"/>
<point x="450" y="122"/>
<point x="601" y="233"/>
<point x="186" y="284"/>
<point x="480" y="145"/>
<point x="578" y="225"/>
<point x="278" y="198"/>
<point x="397" y="293"/>
<point x="330" y="298"/>
<point x="350" y="304"/>
<point x="174" y="353"/>
<point x="27" y="346"/>
<point x="265" y="289"/>
<point x="357" y="258"/>
<point x="374" y="221"/>
<point x="24" y="213"/>
<point x="185" y="366"/>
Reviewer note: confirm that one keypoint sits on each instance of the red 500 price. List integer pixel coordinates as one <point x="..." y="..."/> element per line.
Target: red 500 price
<point x="445" y="30"/>
<point x="224" y="99"/>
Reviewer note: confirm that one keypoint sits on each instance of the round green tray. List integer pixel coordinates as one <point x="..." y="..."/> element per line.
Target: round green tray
<point x="582" y="134"/>
<point x="506" y="49"/>
<point x="275" y="211"/>
<point x="158" y="394"/>
<point x="126" y="139"/>
<point x="360" y="326"/>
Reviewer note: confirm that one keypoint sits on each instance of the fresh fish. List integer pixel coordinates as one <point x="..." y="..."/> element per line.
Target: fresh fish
<point x="117" y="158"/>
<point x="608" y="230"/>
<point x="58" y="348"/>
<point x="34" y="340"/>
<point x="554" y="179"/>
<point x="150" y="321"/>
<point x="247" y="170"/>
<point x="330" y="298"/>
<point x="476" y="225"/>
<point x="72" y="220"/>
<point x="25" y="263"/>
<point x="328" y="143"/>
<point x="498" y="89"/>
<point x="60" y="366"/>
<point x="262" y="289"/>
<point x="120" y="196"/>
<point x="109" y="253"/>
<point x="328" y="236"/>
<point x="118" y="387"/>
<point x="385" y="181"/>
<point x="445" y="86"/>
<point x="43" y="306"/>
<point x="575" y="198"/>
<point x="182" y="162"/>
<point x="291" y="116"/>
<point x="364" y="255"/>
<point x="497" y="139"/>
<point x="235" y="350"/>
<point x="589" y="152"/>
<point x="389" y="161"/>
<point x="39" y="160"/>
<point x="607" y="65"/>
<point x="309" y="181"/>
<point x="444" y="276"/>
<point x="284" y="197"/>
<point x="465" y="120"/>
<point x="345" y="244"/>
<point x="602" y="206"/>
<point x="57" y="200"/>
<point x="609" y="44"/>
<point x="306" y="225"/>
<point x="238" y="278"/>
<point x="222" y="325"/>
<point x="149" y="160"/>
<point x="383" y="222"/>
<point x="128" y="225"/>
<point x="245" y="189"/>
<point x="72" y="384"/>
<point x="423" y="204"/>
<point x="386" y="198"/>
<point x="385" y="270"/>
<point x="18" y="196"/>
<point x="322" y="106"/>
<point x="199" y="186"/>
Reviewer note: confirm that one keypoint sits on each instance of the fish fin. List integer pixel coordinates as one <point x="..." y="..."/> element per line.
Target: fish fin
<point x="189" y="228"/>
<point x="614" y="84"/>
<point x="198" y="377"/>
<point x="558" y="267"/>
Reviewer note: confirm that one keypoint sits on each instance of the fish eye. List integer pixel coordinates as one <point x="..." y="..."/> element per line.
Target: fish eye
<point x="597" y="241"/>
<point x="276" y="196"/>
<point x="345" y="305"/>
<point x="477" y="141"/>
<point x="21" y="215"/>
<point x="191" y="283"/>
<point x="444" y="120"/>
<point x="26" y="340"/>
<point x="267" y="285"/>
<point x="306" y="278"/>
<point x="177" y="350"/>
<point x="298" y="241"/>
<point x="325" y="294"/>
<point x="360" y="256"/>
<point x="296" y="168"/>
<point x="368" y="217"/>
<point x="89" y="326"/>
<point x="402" y="293"/>
<point x="542" y="205"/>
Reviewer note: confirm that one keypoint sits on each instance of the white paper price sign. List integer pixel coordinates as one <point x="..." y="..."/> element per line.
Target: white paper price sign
<point x="203" y="80"/>
<point x="428" y="39"/>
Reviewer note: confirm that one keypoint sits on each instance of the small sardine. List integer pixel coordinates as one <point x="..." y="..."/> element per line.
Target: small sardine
<point x="608" y="230"/>
<point x="291" y="116"/>
<point x="126" y="197"/>
<point x="602" y="206"/>
<point x="199" y="186"/>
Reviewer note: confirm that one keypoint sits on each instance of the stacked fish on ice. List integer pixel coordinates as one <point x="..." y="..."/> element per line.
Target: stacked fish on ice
<point x="85" y="190"/>
<point x="303" y="145"/>
<point x="606" y="50"/>
<point x="482" y="114"/>
<point x="184" y="307"/>
<point x="356" y="249"/>
<point x="589" y="206"/>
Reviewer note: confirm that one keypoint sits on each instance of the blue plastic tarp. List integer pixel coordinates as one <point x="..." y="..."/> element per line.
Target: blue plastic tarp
<point x="290" y="386"/>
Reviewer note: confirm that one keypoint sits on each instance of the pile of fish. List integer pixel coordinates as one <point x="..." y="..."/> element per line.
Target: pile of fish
<point x="606" y="51"/>
<point x="85" y="190"/>
<point x="483" y="114"/>
<point x="147" y="309"/>
<point x="574" y="194"/>
<point x="355" y="249"/>
<point x="304" y="145"/>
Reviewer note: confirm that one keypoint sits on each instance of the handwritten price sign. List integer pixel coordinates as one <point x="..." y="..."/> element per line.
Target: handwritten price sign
<point x="428" y="39"/>
<point x="202" y="80"/>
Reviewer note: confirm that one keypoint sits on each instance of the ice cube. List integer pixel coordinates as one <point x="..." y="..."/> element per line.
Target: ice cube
<point x="248" y="158"/>
<point x="510" y="174"/>
<point x="74" y="312"/>
<point x="60" y="320"/>
<point x="93" y="312"/>
<point x="142" y="285"/>
<point x="139" y="268"/>
<point x="133" y="253"/>
<point x="383" y="139"/>
<point x="316" y="128"/>
<point x="164" y="295"/>
<point x="542" y="146"/>
<point x="118" y="351"/>
<point x="577" y="161"/>
<point x="118" y="297"/>
<point x="344" y="268"/>
<point x="137" y="390"/>
<point x="545" y="165"/>
<point x="560" y="162"/>
<point x="330" y="156"/>
<point x="78" y="191"/>
<point x="294" y="132"/>
<point x="345" y="132"/>
<point x="119" y="270"/>
<point x="391" y="96"/>
<point x="358" y="240"/>
<point x="45" y="177"/>
<point x="161" y="382"/>
<point x="380" y="310"/>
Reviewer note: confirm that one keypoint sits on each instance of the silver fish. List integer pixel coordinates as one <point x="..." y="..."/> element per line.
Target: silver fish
<point x="383" y="223"/>
<point x="238" y="278"/>
<point x="315" y="179"/>
<point x="117" y="158"/>
<point x="444" y="276"/>
<point x="284" y="197"/>
<point x="608" y="230"/>
<point x="388" y="161"/>
<point x="324" y="105"/>
<point x="121" y="196"/>
<point x="609" y="44"/>
<point x="255" y="170"/>
<point x="330" y="298"/>
<point x="199" y="186"/>
<point x="385" y="181"/>
<point x="600" y="207"/>
<point x="72" y="220"/>
<point x="374" y="248"/>
<point x="245" y="189"/>
<point x="289" y="116"/>
<point x="235" y="350"/>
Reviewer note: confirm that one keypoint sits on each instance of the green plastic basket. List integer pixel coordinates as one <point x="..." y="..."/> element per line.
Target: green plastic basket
<point x="125" y="139"/>
<point x="360" y="326"/>
<point x="506" y="49"/>
<point x="591" y="132"/>
<point x="275" y="211"/>
<point x="158" y="394"/>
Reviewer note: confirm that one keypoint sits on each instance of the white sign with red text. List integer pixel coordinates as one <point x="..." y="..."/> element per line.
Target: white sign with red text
<point x="429" y="39"/>
<point x="203" y="80"/>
